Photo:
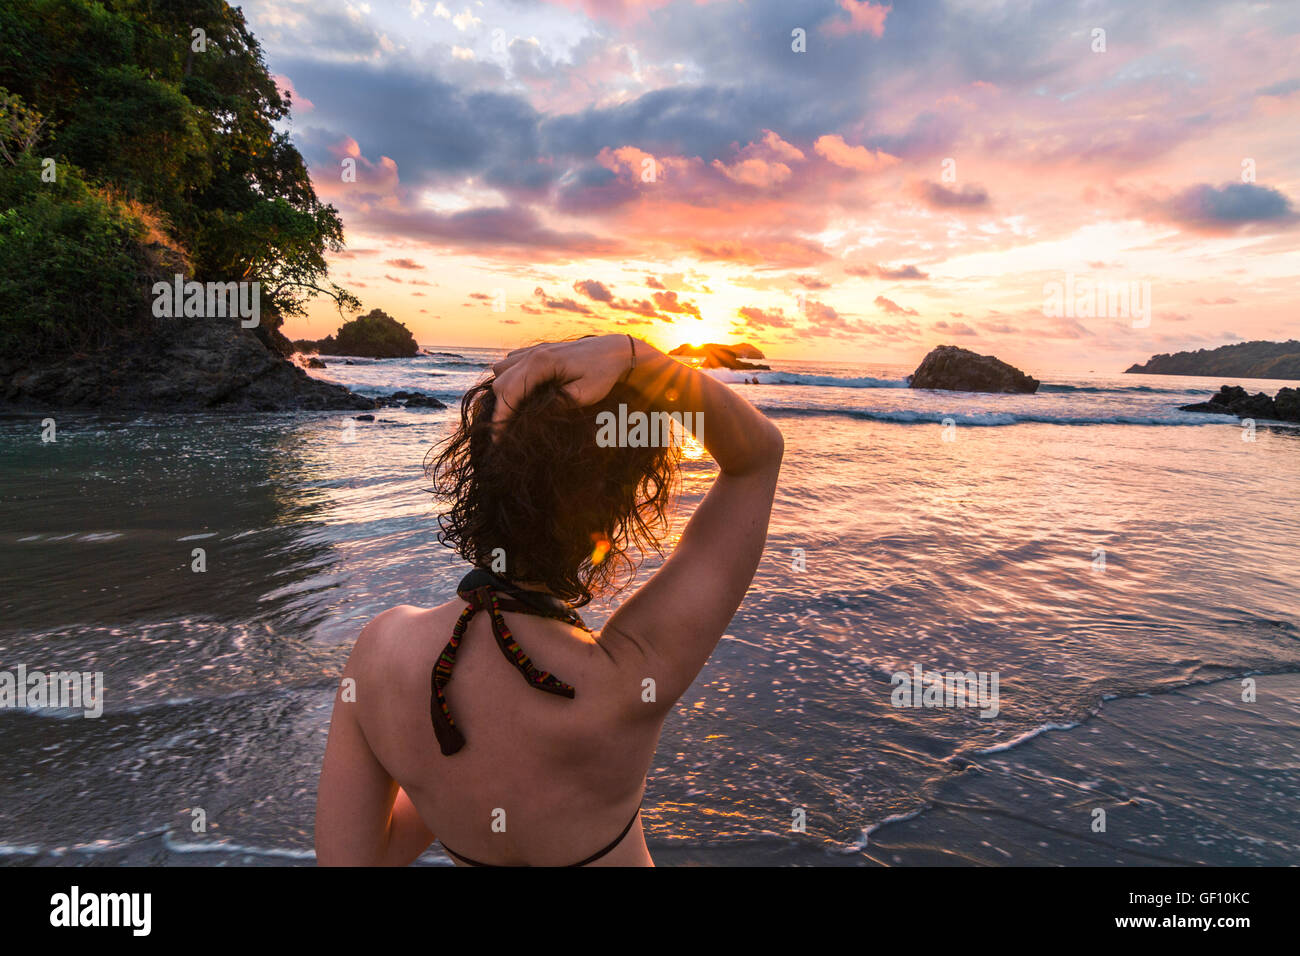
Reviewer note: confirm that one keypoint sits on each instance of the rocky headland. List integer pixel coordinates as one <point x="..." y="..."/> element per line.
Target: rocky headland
<point x="1244" y="360"/>
<point x="183" y="365"/>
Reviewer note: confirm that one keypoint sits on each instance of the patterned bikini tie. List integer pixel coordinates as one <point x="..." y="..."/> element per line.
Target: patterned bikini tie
<point x="479" y="590"/>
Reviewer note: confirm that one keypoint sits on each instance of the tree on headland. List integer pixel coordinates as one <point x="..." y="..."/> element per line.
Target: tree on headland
<point x="157" y="117"/>
<point x="20" y="128"/>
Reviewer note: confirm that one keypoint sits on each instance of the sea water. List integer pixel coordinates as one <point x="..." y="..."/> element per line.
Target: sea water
<point x="1112" y="560"/>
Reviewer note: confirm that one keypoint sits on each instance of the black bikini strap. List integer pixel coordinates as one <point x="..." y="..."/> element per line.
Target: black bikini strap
<point x="615" y="842"/>
<point x="591" y="859"/>
<point x="479" y="594"/>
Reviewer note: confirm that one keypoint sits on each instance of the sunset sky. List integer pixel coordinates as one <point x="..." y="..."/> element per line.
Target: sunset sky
<point x="528" y="170"/>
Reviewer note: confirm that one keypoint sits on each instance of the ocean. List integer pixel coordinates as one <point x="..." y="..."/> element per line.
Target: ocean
<point x="1128" y="572"/>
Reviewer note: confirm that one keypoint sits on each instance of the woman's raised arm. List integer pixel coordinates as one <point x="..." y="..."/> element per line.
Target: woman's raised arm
<point x="675" y="619"/>
<point x="671" y="625"/>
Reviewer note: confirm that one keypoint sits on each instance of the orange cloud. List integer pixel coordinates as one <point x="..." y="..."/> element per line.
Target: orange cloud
<point x="835" y="150"/>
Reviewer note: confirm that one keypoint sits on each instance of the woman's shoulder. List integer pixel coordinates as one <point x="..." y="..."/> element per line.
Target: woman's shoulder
<point x="392" y="635"/>
<point x="386" y="624"/>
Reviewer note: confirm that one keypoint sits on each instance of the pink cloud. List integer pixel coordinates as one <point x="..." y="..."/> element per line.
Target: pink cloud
<point x="757" y="319"/>
<point x="373" y="179"/>
<point x="892" y="307"/>
<point x="763" y="163"/>
<point x="285" y="85"/>
<point x="616" y="11"/>
<point x="769" y="252"/>
<point x="754" y="172"/>
<point x="668" y="302"/>
<point x="864" y="17"/>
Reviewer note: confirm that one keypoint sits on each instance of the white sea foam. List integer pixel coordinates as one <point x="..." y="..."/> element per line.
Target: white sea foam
<point x="798" y="378"/>
<point x="177" y="846"/>
<point x="914" y="416"/>
<point x="1026" y="736"/>
<point x="865" y="839"/>
<point x="7" y="849"/>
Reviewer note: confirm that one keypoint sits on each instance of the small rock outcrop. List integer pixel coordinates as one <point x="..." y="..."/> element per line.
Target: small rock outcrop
<point x="1235" y="400"/>
<point x="407" y="400"/>
<point x="960" y="370"/>
<point x="1287" y="404"/>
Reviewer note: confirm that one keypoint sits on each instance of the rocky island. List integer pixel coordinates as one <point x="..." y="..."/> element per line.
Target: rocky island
<point x="373" y="335"/>
<point x="723" y="356"/>
<point x="950" y="368"/>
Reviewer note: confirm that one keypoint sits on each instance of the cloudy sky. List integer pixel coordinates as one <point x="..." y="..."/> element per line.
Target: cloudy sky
<point x="824" y="178"/>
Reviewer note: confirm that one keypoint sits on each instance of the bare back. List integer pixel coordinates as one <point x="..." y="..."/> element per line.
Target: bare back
<point x="542" y="779"/>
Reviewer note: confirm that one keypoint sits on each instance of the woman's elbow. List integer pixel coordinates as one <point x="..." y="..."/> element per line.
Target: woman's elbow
<point x="772" y="447"/>
<point x="778" y="442"/>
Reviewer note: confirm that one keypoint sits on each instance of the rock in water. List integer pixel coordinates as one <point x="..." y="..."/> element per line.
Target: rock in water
<point x="408" y="400"/>
<point x="719" y="356"/>
<point x="1287" y="404"/>
<point x="1235" y="400"/>
<point x="742" y="350"/>
<point x="374" y="335"/>
<point x="960" y="370"/>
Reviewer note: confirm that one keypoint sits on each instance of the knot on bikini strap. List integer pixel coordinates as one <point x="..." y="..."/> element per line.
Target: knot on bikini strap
<point x="477" y="598"/>
<point x="450" y="739"/>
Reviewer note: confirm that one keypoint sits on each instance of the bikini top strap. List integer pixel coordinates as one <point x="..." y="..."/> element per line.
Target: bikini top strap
<point x="484" y="597"/>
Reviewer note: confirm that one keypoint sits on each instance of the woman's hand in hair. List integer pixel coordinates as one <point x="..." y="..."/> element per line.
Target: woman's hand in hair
<point x="587" y="368"/>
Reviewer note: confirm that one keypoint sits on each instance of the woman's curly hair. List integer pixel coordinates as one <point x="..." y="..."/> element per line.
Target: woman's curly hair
<point x="565" y="511"/>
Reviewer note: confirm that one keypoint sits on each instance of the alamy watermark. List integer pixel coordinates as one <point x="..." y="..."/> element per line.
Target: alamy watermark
<point x="647" y="429"/>
<point x="59" y="690"/>
<point x="1085" y="298"/>
<point x="75" y="909"/>
<point x="208" y="300"/>
<point x="923" y="688"/>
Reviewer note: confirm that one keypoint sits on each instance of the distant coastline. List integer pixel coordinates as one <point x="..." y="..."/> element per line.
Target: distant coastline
<point x="1268" y="360"/>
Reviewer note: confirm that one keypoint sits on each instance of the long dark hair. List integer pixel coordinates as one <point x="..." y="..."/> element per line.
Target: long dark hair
<point x="567" y="512"/>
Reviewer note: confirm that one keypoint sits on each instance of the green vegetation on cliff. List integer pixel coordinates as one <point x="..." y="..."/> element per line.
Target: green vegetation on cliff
<point x="137" y="138"/>
<point x="70" y="261"/>
<point x="1244" y="360"/>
